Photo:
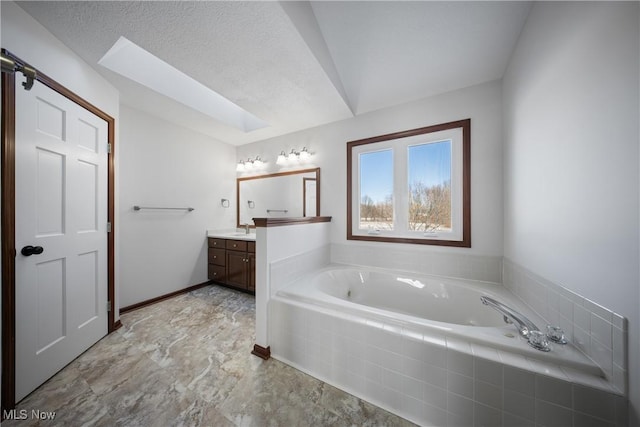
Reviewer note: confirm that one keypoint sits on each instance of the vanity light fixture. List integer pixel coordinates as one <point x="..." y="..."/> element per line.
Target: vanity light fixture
<point x="305" y="155"/>
<point x="294" y="157"/>
<point x="250" y="164"/>
<point x="282" y="158"/>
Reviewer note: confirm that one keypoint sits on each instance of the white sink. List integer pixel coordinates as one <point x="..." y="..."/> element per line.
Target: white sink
<point x="239" y="235"/>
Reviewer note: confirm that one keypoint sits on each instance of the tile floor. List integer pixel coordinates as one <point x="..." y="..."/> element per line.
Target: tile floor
<point x="186" y="362"/>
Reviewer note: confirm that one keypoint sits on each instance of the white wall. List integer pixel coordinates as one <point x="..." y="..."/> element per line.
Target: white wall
<point x="282" y="255"/>
<point x="164" y="165"/>
<point x="571" y="182"/>
<point x="26" y="38"/>
<point x="481" y="103"/>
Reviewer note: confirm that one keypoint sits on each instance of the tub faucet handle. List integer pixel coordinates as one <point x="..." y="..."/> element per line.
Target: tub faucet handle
<point x="538" y="340"/>
<point x="556" y="334"/>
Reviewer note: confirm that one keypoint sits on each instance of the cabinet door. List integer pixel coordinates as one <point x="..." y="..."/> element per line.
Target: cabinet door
<point x="237" y="245"/>
<point x="217" y="273"/>
<point x="216" y="256"/>
<point x="216" y="243"/>
<point x="252" y="272"/>
<point x="237" y="269"/>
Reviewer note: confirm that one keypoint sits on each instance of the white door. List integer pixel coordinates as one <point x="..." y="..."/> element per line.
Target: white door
<point x="61" y="207"/>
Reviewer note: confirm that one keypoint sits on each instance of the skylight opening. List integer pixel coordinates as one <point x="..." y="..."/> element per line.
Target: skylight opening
<point x="131" y="61"/>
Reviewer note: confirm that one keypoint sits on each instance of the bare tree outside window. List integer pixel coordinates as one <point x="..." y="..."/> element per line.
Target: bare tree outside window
<point x="430" y="207"/>
<point x="376" y="190"/>
<point x="376" y="215"/>
<point x="429" y="184"/>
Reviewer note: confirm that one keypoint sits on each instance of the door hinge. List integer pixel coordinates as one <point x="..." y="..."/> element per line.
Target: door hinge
<point x="108" y="306"/>
<point x="108" y="227"/>
<point x="109" y="148"/>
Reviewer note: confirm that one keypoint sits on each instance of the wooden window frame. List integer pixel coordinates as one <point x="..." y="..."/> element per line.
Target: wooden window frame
<point x="352" y="185"/>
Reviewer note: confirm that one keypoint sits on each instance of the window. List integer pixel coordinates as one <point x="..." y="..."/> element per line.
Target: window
<point x="411" y="186"/>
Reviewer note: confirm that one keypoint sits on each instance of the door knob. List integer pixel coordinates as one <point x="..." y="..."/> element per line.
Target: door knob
<point x="31" y="250"/>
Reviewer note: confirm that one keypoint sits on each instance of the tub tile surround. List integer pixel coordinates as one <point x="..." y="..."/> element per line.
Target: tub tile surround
<point x="598" y="332"/>
<point x="441" y="380"/>
<point x="288" y="270"/>
<point x="423" y="261"/>
<point x="472" y="267"/>
<point x="436" y="380"/>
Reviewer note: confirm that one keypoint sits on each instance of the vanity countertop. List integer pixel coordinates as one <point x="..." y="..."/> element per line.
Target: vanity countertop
<point x="234" y="235"/>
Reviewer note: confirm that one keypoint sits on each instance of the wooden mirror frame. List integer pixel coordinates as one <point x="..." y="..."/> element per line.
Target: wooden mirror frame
<point x="273" y="175"/>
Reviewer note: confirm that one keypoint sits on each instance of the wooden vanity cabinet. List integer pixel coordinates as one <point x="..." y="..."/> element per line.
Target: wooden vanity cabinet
<point x="237" y="269"/>
<point x="232" y="263"/>
<point x="251" y="285"/>
<point x="217" y="260"/>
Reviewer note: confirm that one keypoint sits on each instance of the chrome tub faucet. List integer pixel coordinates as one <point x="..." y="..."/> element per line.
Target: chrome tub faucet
<point x="520" y="321"/>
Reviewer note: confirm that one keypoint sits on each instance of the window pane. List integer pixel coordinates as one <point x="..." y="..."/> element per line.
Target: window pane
<point x="430" y="186"/>
<point x="376" y="190"/>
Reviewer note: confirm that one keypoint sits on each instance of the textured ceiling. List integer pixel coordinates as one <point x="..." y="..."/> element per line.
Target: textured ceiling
<point x="295" y="65"/>
<point x="389" y="53"/>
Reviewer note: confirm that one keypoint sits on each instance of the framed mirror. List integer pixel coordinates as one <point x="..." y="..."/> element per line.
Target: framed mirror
<point x="291" y="194"/>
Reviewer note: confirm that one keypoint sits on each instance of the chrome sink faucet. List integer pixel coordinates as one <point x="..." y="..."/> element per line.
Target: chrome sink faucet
<point x="246" y="228"/>
<point x="520" y="321"/>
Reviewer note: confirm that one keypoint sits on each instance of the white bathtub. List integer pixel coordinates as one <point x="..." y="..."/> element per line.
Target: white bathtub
<point x="428" y="350"/>
<point x="430" y="305"/>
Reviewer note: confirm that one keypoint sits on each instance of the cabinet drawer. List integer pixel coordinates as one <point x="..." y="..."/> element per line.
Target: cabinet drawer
<point x="251" y="247"/>
<point x="217" y="272"/>
<point x="216" y="243"/>
<point x="216" y="256"/>
<point x="237" y="245"/>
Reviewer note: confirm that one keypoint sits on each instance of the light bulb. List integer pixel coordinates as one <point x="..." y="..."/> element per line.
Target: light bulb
<point x="282" y="158"/>
<point x="240" y="166"/>
<point x="305" y="155"/>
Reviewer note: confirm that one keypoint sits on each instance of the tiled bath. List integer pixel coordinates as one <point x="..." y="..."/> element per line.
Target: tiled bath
<point x="443" y="381"/>
<point x="596" y="331"/>
<point x="436" y="380"/>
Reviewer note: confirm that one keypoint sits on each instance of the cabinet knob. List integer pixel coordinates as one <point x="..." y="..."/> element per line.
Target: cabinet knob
<point x="235" y="246"/>
<point x="215" y="274"/>
<point x="215" y="256"/>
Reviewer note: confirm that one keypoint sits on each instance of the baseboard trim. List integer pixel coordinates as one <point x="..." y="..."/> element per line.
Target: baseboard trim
<point x="117" y="325"/>
<point x="261" y="352"/>
<point x="162" y="297"/>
